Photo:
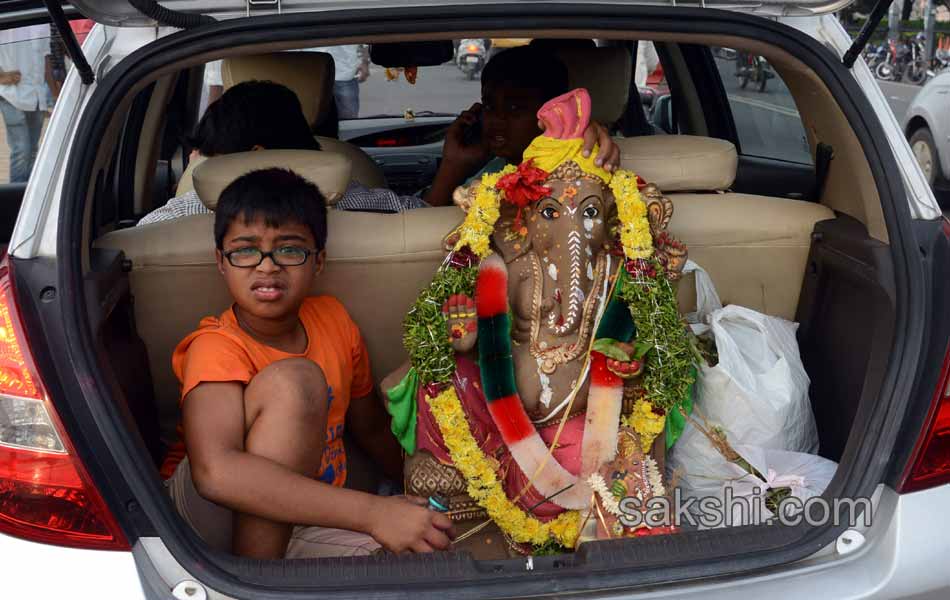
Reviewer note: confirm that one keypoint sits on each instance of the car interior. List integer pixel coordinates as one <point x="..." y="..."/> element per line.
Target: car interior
<point x="805" y="241"/>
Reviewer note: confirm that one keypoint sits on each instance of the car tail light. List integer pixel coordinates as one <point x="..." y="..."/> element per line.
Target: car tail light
<point x="930" y="461"/>
<point x="472" y="48"/>
<point x="929" y="465"/>
<point x="46" y="495"/>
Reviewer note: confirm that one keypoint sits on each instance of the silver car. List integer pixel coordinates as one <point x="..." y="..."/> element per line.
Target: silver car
<point x="927" y="126"/>
<point x="811" y="207"/>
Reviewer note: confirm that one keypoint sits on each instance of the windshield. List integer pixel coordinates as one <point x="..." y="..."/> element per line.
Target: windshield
<point x="364" y="90"/>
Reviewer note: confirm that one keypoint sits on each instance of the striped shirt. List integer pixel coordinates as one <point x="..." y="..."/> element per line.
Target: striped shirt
<point x="357" y="197"/>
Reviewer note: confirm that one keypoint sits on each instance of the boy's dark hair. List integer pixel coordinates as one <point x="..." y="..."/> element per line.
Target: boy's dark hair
<point x="528" y="67"/>
<point x="254" y="113"/>
<point x="279" y="196"/>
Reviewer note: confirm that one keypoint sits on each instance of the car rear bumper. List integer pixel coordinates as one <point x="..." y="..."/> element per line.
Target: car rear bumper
<point x="32" y="570"/>
<point x="904" y="555"/>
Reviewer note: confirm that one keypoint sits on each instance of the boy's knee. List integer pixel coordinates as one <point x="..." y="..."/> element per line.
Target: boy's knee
<point x="297" y="381"/>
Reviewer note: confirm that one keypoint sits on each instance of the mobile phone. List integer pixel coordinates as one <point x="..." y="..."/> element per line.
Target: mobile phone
<point x="473" y="133"/>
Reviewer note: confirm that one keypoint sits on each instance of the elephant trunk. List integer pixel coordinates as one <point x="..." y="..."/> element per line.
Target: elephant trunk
<point x="567" y="319"/>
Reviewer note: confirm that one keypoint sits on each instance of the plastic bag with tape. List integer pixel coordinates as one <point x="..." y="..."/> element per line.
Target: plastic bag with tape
<point x="805" y="475"/>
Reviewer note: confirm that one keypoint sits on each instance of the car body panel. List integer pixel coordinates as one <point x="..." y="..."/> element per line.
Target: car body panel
<point x="932" y="104"/>
<point x="902" y="554"/>
<point x="120" y="12"/>
<point x="905" y="544"/>
<point x="34" y="570"/>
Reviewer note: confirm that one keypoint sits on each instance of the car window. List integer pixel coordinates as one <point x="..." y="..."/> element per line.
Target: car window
<point x="767" y="121"/>
<point x="33" y="65"/>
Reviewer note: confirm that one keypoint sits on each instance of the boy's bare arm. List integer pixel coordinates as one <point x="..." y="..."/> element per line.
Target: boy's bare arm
<point x="369" y="423"/>
<point x="223" y="472"/>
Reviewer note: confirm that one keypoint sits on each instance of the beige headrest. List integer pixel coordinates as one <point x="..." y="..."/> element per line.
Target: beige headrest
<point x="328" y="170"/>
<point x="606" y="73"/>
<point x="680" y="163"/>
<point x="185" y="182"/>
<point x="309" y="74"/>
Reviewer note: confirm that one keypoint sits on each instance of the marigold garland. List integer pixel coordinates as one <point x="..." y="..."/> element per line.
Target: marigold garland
<point x="484" y="486"/>
<point x="632" y="211"/>
<point x="475" y="232"/>
<point x="646" y="422"/>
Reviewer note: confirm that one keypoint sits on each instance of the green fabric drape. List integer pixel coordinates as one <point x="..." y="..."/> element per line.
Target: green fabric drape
<point x="675" y="421"/>
<point x="402" y="408"/>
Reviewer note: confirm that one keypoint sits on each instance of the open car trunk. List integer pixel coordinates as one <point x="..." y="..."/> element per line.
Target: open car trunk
<point x="844" y="277"/>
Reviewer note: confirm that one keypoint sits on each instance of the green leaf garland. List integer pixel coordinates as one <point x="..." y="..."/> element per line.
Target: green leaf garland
<point x="670" y="363"/>
<point x="426" y="338"/>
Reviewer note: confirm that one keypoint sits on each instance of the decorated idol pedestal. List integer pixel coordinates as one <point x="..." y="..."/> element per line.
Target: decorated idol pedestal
<point x="549" y="366"/>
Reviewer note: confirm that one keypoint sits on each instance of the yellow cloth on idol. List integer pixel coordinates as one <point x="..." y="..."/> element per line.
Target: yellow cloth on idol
<point x="549" y="153"/>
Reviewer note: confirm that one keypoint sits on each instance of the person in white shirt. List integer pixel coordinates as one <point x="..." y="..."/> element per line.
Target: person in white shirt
<point x="351" y="69"/>
<point x="23" y="94"/>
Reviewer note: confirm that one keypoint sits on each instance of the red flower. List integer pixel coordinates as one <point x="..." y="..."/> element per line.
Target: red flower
<point x="463" y="257"/>
<point x="640" y="268"/>
<point x="523" y="187"/>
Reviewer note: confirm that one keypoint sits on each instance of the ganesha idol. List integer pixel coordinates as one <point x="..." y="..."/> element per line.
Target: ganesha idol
<point x="549" y="369"/>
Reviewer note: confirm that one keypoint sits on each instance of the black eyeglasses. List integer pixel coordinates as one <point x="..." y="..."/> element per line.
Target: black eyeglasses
<point x="285" y="256"/>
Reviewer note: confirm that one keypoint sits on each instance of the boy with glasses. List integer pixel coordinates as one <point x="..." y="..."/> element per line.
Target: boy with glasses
<point x="267" y="388"/>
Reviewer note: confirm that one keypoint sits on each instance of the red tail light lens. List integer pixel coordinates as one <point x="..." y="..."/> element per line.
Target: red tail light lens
<point x="45" y="493"/>
<point x="930" y="462"/>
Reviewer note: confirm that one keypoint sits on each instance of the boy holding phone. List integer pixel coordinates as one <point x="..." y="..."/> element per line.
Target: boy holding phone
<point x="496" y="131"/>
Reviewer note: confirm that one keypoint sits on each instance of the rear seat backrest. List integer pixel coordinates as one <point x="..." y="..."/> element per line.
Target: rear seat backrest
<point x="310" y="76"/>
<point x="755" y="248"/>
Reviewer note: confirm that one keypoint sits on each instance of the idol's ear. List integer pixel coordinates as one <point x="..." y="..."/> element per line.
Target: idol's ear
<point x="668" y="250"/>
<point x="659" y="208"/>
<point x="508" y="242"/>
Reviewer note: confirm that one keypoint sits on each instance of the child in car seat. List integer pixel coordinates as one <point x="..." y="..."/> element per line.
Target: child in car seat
<point x="267" y="389"/>
<point x="496" y="131"/>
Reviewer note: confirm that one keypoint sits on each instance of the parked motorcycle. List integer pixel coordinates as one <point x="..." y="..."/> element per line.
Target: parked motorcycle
<point x="470" y="57"/>
<point x="875" y="55"/>
<point x="918" y="66"/>
<point x="904" y="60"/>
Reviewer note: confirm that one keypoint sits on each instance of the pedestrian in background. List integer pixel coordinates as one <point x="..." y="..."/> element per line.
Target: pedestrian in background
<point x="351" y="66"/>
<point x="23" y="93"/>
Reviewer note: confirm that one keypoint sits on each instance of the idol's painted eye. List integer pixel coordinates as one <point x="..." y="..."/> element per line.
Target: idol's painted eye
<point x="591" y="211"/>
<point x="550" y="213"/>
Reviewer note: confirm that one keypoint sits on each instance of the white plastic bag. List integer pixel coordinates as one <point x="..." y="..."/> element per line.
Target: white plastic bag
<point x="707" y="300"/>
<point x="757" y="393"/>
<point x="806" y="476"/>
